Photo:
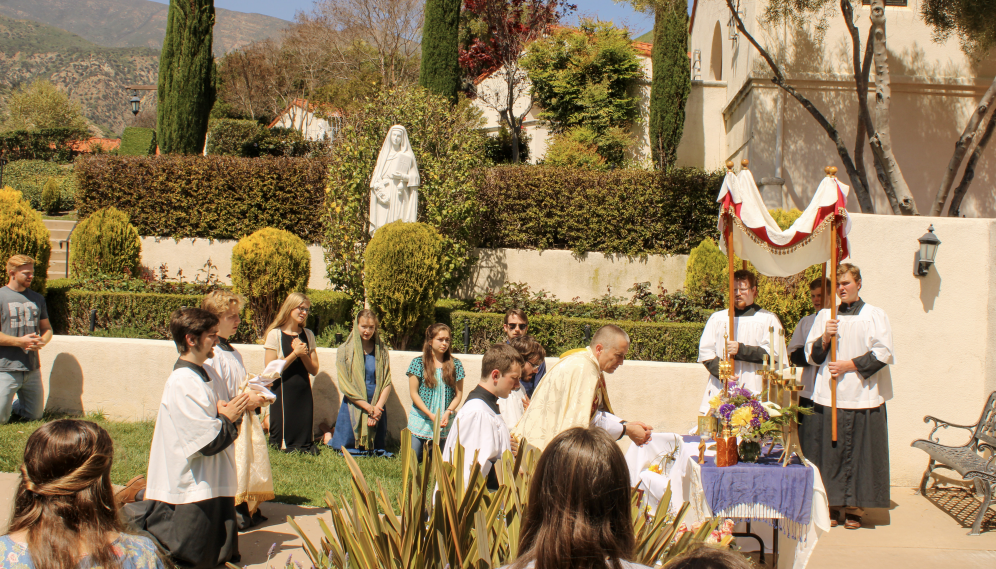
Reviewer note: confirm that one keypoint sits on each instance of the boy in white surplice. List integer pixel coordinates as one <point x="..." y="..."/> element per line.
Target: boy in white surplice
<point x="750" y="344"/>
<point x="478" y="425"/>
<point x="189" y="504"/>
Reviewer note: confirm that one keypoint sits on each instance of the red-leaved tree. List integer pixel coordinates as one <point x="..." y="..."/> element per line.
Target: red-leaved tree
<point x="491" y="59"/>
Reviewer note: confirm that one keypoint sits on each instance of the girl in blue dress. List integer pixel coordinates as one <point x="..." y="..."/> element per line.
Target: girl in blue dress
<point x="363" y="366"/>
<point x="435" y="380"/>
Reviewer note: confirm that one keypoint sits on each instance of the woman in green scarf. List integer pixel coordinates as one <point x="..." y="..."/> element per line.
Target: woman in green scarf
<point x="363" y="365"/>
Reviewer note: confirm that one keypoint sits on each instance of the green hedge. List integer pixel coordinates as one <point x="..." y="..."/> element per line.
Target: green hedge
<point x="69" y="310"/>
<point x="628" y="212"/>
<point x="660" y="342"/>
<point x="29" y="178"/>
<point x="41" y="144"/>
<point x="220" y="197"/>
<point x="137" y="141"/>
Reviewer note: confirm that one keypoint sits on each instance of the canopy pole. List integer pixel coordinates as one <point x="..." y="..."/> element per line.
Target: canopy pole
<point x="744" y="166"/>
<point x="833" y="315"/>
<point x="729" y="256"/>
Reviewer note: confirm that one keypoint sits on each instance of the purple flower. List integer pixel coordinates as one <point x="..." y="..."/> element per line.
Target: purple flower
<point x="726" y="410"/>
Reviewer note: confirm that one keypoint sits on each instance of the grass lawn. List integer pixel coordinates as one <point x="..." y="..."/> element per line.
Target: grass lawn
<point x="298" y="479"/>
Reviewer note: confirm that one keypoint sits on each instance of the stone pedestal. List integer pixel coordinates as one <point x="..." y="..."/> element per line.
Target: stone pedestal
<point x="771" y="192"/>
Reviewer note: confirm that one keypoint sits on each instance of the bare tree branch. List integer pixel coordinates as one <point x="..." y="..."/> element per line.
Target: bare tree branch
<point x="861" y="87"/>
<point x="961" y="149"/>
<point x="969" y="175"/>
<point x="779" y="80"/>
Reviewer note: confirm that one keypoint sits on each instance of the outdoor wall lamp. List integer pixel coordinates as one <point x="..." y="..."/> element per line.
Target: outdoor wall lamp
<point x="925" y="257"/>
<point x="135" y="104"/>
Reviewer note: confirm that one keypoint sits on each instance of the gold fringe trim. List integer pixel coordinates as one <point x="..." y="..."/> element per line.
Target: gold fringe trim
<point x="254" y="497"/>
<point x="828" y="220"/>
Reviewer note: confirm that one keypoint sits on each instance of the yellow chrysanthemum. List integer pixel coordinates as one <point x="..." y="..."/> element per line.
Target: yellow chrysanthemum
<point x="741" y="418"/>
<point x="715" y="402"/>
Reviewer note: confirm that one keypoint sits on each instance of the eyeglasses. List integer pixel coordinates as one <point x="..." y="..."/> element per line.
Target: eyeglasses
<point x="742" y="289"/>
<point x="303" y="309"/>
<point x="517" y="326"/>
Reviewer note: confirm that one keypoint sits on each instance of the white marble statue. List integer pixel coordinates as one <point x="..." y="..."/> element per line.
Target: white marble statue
<point x="395" y="181"/>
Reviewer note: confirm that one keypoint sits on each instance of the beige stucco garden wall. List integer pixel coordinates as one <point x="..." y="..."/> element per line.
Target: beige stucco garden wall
<point x="590" y="276"/>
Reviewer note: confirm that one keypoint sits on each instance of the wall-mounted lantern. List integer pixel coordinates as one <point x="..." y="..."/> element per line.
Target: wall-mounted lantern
<point x="136" y="103"/>
<point x="927" y="254"/>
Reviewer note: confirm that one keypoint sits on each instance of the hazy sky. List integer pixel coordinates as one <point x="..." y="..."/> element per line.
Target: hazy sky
<point x="621" y="14"/>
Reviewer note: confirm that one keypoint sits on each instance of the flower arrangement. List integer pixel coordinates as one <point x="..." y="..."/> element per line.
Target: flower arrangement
<point x="751" y="420"/>
<point x="723" y="534"/>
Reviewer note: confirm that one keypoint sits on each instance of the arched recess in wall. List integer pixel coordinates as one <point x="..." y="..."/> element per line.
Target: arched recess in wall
<point x="716" y="54"/>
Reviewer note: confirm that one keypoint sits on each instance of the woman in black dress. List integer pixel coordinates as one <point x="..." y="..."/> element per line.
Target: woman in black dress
<point x="292" y="413"/>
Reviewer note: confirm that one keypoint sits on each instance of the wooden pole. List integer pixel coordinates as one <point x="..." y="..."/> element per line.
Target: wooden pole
<point x="833" y="315"/>
<point x="729" y="256"/>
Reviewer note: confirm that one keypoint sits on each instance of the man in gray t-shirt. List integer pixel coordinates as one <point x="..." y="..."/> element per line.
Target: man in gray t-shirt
<point x="24" y="330"/>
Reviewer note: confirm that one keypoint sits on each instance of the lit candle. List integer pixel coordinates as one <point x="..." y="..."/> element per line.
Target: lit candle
<point x="781" y="342"/>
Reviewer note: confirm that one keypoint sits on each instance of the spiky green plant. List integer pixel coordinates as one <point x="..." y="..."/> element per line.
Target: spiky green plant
<point x="448" y="525"/>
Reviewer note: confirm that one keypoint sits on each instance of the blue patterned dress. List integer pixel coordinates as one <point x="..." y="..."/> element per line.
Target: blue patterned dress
<point x="134" y="551"/>
<point x="436" y="399"/>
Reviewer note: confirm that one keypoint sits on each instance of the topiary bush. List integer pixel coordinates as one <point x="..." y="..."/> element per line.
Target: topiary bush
<point x="403" y="277"/>
<point x="137" y="141"/>
<point x="30" y="176"/>
<point x="22" y="232"/>
<point x="50" y="197"/>
<point x="266" y="267"/>
<point x="105" y="243"/>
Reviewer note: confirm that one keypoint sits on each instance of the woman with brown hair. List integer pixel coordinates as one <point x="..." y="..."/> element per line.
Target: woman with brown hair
<point x="435" y="381"/>
<point x="292" y="413"/>
<point x="64" y="510"/>
<point x="579" y="506"/>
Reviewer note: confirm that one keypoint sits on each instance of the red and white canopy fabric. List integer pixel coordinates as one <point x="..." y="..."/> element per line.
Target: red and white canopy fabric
<point x="773" y="252"/>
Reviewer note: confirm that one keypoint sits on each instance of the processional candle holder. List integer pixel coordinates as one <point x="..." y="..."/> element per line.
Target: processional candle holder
<point x="725" y="367"/>
<point x="790" y="432"/>
<point x="708" y="426"/>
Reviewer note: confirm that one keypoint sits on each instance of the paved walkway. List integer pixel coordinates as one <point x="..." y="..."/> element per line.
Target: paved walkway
<point x="913" y="534"/>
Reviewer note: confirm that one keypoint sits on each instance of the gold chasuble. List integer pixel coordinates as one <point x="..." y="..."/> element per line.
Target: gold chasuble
<point x="569" y="395"/>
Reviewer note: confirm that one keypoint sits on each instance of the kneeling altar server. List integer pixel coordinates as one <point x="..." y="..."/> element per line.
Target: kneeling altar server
<point x="573" y="394"/>
<point x="189" y="504"/>
<point x="750" y="344"/>
<point x="478" y="426"/>
<point x="855" y="468"/>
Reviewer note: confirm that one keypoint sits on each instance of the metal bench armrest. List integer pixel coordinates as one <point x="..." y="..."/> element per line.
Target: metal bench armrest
<point x="991" y="463"/>
<point x="938" y="424"/>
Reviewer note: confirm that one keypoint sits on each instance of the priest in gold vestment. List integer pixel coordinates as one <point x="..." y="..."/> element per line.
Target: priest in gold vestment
<point x="573" y="394"/>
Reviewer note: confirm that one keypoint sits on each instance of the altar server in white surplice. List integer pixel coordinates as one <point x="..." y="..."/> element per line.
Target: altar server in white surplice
<point x="855" y="468"/>
<point x="797" y="345"/>
<point x="189" y="503"/>
<point x="750" y="344"/>
<point x="479" y="425"/>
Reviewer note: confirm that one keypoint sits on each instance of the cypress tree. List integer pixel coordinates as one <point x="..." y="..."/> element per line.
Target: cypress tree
<point x="671" y="83"/>
<point x="440" y="71"/>
<point x="186" y="77"/>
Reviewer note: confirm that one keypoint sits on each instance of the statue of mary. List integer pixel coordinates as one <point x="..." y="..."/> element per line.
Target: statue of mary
<point x="395" y="181"/>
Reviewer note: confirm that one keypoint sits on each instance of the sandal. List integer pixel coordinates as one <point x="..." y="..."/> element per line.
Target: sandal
<point x="852" y="521"/>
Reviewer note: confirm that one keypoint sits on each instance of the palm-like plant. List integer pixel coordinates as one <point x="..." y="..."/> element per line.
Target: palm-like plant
<point x="458" y="525"/>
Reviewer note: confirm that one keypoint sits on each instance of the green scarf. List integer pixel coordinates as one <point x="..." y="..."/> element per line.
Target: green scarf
<point x="351" y="372"/>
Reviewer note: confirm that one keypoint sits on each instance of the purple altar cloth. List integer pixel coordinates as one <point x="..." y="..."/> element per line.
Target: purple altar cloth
<point x="787" y="490"/>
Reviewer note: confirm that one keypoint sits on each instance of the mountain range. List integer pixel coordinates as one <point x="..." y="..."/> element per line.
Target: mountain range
<point x="91" y="49"/>
<point x="137" y="23"/>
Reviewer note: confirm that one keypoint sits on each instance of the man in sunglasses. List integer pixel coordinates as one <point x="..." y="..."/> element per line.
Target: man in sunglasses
<point x="749" y="347"/>
<point x="517" y="326"/>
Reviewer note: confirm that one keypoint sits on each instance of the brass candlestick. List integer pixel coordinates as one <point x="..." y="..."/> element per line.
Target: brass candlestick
<point x="790" y="432"/>
<point x="725" y="367"/>
<point x="708" y="425"/>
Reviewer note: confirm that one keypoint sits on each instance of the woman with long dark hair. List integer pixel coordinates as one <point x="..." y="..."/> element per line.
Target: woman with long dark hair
<point x="64" y="511"/>
<point x="435" y="381"/>
<point x="292" y="413"/>
<point x="579" y="506"/>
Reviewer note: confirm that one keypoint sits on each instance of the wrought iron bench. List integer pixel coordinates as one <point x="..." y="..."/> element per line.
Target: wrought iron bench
<point x="966" y="460"/>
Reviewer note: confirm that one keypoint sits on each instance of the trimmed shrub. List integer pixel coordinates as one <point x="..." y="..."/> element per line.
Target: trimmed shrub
<point x="50" y="197"/>
<point x="50" y="144"/>
<point x="30" y="176"/>
<point x="449" y="147"/>
<point x="403" y="274"/>
<point x="22" y="232"/>
<point x="137" y="141"/>
<point x="498" y="146"/>
<point x="707" y="269"/>
<point x="266" y="267"/>
<point x="650" y="341"/>
<point x="105" y="243"/>
<point x="217" y="197"/>
<point x="231" y="137"/>
<point x="574" y="149"/>
<point x="117" y="312"/>
<point x="629" y="212"/>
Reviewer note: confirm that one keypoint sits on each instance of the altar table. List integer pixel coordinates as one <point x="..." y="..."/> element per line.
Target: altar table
<point x="685" y="479"/>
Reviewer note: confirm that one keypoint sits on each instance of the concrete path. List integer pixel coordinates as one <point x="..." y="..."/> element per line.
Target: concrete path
<point x="913" y="534"/>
